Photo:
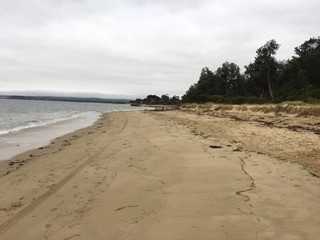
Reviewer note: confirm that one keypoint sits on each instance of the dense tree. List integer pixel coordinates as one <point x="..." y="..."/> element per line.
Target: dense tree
<point x="309" y="60"/>
<point x="262" y="72"/>
<point x="151" y="99"/>
<point x="191" y="94"/>
<point x="226" y="81"/>
<point x="229" y="78"/>
<point x="265" y="78"/>
<point x="293" y="75"/>
<point x="174" y="100"/>
<point x="155" y="100"/>
<point x="206" y="83"/>
<point x="165" y="99"/>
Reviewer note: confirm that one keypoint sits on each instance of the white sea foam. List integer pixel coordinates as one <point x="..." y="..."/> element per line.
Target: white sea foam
<point x="41" y="123"/>
<point x="25" y="125"/>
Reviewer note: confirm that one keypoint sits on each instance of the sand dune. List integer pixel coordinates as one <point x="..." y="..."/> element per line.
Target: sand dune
<point x="146" y="175"/>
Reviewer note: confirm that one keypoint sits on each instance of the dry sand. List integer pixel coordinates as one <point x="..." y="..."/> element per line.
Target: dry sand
<point x="146" y="176"/>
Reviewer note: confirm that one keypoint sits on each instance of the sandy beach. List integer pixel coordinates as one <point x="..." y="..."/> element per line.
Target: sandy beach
<point x="167" y="175"/>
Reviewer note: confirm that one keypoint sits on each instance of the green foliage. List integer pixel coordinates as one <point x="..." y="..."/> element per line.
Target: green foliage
<point x="263" y="71"/>
<point x="155" y="100"/>
<point x="265" y="79"/>
<point x="309" y="60"/>
<point x="229" y="78"/>
<point x="225" y="81"/>
<point x="165" y="99"/>
<point x="310" y="95"/>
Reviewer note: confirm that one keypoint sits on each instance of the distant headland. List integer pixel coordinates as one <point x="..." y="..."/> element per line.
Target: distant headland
<point x="66" y="99"/>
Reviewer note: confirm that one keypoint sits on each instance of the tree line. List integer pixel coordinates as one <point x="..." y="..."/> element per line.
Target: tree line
<point x="154" y="99"/>
<point x="264" y="80"/>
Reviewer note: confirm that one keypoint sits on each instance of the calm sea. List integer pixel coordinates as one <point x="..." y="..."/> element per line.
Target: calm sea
<point x="27" y="124"/>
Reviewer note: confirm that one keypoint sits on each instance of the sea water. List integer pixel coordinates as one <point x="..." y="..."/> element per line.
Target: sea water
<point x="28" y="124"/>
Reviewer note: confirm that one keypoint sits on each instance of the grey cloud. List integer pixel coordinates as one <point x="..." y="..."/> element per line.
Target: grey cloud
<point x="139" y="47"/>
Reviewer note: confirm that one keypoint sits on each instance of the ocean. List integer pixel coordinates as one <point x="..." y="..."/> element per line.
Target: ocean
<point x="28" y="124"/>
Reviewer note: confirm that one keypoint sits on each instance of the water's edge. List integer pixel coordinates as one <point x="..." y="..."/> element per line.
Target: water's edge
<point x="15" y="143"/>
<point x="27" y="139"/>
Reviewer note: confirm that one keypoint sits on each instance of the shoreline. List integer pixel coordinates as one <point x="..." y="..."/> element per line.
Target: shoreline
<point x="149" y="175"/>
<point x="56" y="143"/>
<point x="14" y="143"/>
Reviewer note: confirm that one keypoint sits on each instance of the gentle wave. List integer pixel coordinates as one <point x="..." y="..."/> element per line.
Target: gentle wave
<point x="43" y="123"/>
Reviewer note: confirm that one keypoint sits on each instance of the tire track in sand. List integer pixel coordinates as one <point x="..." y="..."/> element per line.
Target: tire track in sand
<point x="55" y="188"/>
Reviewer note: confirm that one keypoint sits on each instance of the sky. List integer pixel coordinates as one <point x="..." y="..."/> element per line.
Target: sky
<point x="132" y="48"/>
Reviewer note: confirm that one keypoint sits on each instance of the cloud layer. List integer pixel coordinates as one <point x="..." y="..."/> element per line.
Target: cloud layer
<point x="139" y="47"/>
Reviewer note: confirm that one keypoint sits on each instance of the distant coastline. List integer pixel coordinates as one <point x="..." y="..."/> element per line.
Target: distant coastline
<point x="66" y="99"/>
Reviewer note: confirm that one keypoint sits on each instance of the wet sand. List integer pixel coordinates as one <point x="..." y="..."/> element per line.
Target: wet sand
<point x="158" y="175"/>
<point x="14" y="143"/>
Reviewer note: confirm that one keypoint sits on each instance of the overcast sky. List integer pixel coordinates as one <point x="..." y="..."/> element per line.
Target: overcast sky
<point x="133" y="48"/>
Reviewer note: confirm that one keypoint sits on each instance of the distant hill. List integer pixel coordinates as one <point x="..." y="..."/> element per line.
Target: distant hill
<point x="66" y="99"/>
